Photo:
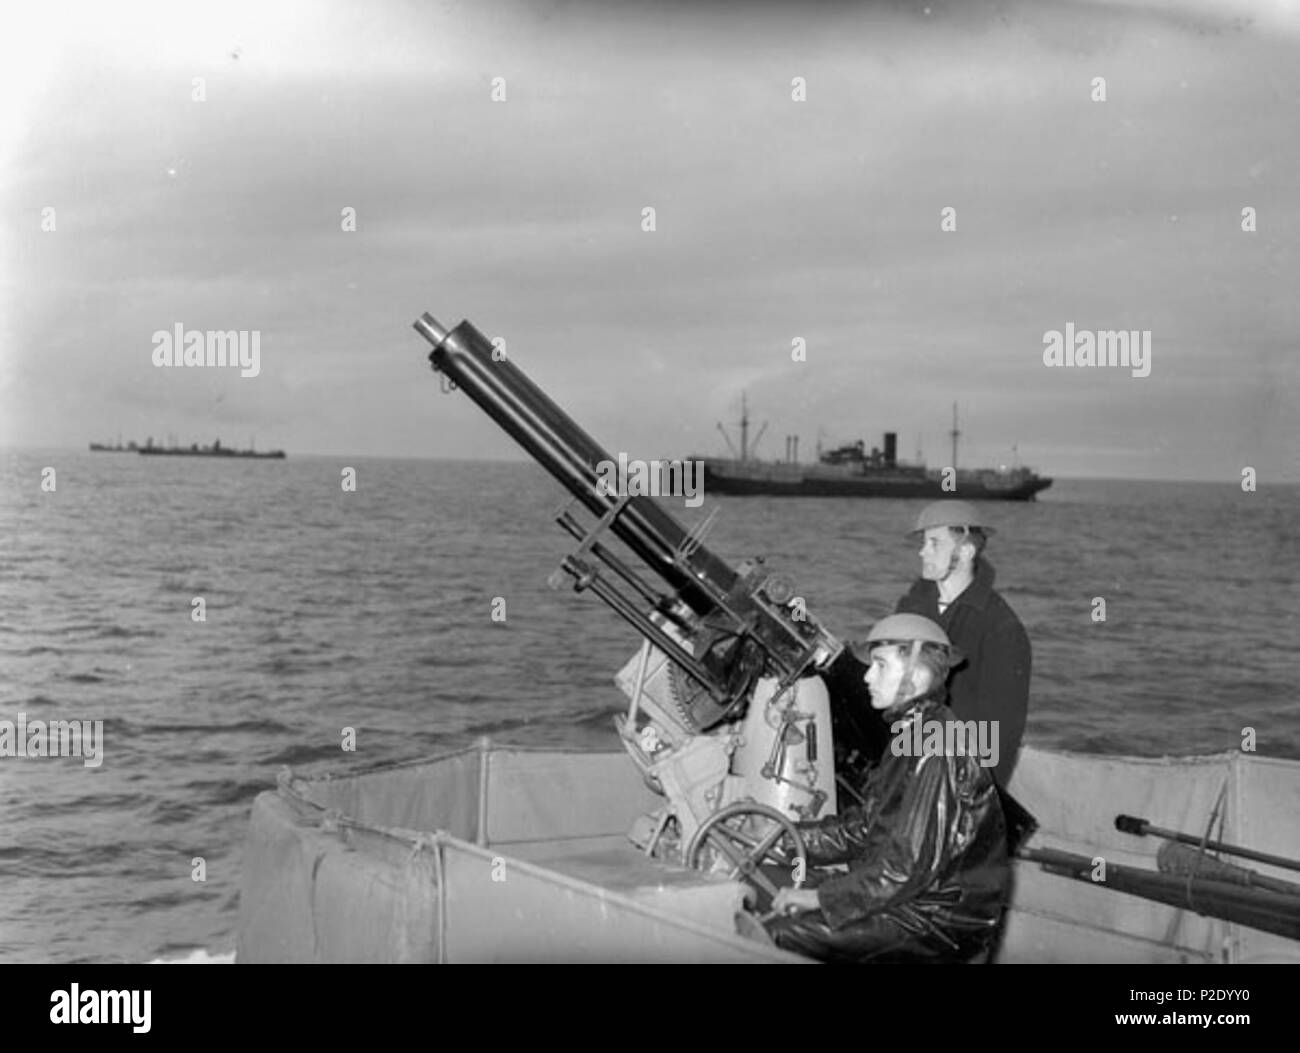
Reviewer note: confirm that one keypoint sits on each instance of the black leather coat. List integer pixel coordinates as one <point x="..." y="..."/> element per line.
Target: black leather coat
<point x="927" y="854"/>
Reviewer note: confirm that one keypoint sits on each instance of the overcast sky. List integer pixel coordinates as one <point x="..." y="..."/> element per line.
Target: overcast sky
<point x="775" y="219"/>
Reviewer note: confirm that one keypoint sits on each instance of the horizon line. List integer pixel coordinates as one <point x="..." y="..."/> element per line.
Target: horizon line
<point x="526" y="460"/>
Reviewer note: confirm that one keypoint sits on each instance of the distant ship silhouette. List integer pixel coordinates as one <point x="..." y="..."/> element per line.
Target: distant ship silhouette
<point x="193" y="450"/>
<point x="850" y="471"/>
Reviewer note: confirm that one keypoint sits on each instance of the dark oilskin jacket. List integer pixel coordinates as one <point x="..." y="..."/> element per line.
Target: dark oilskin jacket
<point x="927" y="854"/>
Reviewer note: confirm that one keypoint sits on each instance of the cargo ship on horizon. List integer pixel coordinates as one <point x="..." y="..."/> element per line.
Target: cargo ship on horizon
<point x="103" y="447"/>
<point x="193" y="450"/>
<point x="850" y="471"/>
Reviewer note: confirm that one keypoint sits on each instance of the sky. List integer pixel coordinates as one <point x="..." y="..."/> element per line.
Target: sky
<point x="775" y="220"/>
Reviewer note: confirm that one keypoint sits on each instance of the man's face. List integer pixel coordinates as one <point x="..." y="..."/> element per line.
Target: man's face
<point x="939" y="553"/>
<point x="883" y="676"/>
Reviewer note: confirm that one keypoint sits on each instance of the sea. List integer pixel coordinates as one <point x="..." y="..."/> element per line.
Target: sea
<point x="416" y="611"/>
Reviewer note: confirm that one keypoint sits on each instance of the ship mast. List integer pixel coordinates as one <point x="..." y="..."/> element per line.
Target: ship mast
<point x="954" y="433"/>
<point x="744" y="428"/>
<point x="745" y="448"/>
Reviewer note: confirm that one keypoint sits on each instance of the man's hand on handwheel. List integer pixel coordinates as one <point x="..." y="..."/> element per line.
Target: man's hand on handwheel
<point x="792" y="899"/>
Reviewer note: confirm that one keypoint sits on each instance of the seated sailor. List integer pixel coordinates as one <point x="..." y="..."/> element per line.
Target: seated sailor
<point x="928" y="874"/>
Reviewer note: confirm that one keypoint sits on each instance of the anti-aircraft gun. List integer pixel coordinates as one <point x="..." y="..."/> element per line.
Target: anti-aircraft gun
<point x="727" y="717"/>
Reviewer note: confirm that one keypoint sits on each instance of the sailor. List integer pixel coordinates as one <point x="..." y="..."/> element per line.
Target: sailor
<point x="956" y="590"/>
<point x="928" y="873"/>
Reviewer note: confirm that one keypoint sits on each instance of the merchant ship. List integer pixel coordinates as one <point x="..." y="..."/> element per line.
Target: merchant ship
<point x="851" y="471"/>
<point x="215" y="450"/>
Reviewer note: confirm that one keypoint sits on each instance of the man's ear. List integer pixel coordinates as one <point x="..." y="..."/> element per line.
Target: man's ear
<point x="923" y="684"/>
<point x="966" y="547"/>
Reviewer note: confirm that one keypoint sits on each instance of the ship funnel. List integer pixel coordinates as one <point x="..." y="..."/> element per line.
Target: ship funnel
<point x="891" y="449"/>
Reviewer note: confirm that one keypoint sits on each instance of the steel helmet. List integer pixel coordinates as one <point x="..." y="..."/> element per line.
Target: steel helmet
<point x="960" y="514"/>
<point x="907" y="629"/>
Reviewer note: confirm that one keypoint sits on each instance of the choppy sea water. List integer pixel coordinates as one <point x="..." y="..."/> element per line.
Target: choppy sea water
<point x="372" y="610"/>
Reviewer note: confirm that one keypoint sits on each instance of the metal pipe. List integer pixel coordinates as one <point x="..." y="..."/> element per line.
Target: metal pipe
<point x="609" y="559"/>
<point x="1130" y="824"/>
<point x="1269" y="911"/>
<point x="431" y="329"/>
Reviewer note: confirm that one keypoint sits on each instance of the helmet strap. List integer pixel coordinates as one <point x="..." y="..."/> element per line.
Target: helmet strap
<point x="954" y="559"/>
<point x="907" y="684"/>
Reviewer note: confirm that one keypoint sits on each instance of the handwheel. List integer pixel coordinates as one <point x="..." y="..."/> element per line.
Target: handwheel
<point x="732" y="832"/>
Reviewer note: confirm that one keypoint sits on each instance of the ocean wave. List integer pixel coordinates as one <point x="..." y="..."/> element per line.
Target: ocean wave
<point x="96" y="802"/>
<point x="496" y="727"/>
<point x="445" y="661"/>
<point x="591" y="719"/>
<point x="224" y="791"/>
<point x="78" y="858"/>
<point x="173" y="811"/>
<point x="283" y="665"/>
<point x="38" y="702"/>
<point x="263" y="726"/>
<point x="165" y="901"/>
<point x="302" y="754"/>
<point x="121" y="632"/>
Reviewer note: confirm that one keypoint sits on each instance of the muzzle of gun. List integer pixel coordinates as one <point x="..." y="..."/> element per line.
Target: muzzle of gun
<point x="723" y="627"/>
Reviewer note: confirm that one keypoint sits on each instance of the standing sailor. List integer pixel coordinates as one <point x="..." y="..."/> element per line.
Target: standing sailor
<point x="955" y="590"/>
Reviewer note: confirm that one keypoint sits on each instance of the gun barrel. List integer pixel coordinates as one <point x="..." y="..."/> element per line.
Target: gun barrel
<point x="572" y="457"/>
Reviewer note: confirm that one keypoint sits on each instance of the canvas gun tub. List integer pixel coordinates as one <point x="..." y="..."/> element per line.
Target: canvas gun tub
<point x="512" y="854"/>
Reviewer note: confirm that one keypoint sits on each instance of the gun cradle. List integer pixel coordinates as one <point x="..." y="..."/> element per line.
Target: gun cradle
<point x="779" y="754"/>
